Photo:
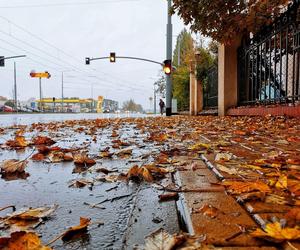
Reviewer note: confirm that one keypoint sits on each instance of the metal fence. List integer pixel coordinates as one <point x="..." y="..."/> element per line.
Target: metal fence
<point x="211" y="88"/>
<point x="269" y="62"/>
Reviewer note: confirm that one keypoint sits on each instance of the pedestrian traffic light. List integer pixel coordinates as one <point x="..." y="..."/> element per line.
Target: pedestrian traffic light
<point x="2" y="61"/>
<point x="168" y="67"/>
<point x="112" y="57"/>
<point x="87" y="61"/>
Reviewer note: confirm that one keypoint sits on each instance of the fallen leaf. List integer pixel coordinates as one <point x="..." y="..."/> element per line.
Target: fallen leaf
<point x="293" y="216"/>
<point x="18" y="142"/>
<point x="238" y="187"/>
<point x="84" y="223"/>
<point x="83" y="159"/>
<point x="28" y="218"/>
<point x="38" y="157"/>
<point x="13" y="166"/>
<point x="282" y="182"/>
<point x="43" y="140"/>
<point x="124" y="152"/>
<point x="161" y="240"/>
<point x="208" y="210"/>
<point x="223" y="157"/>
<point x="80" y="183"/>
<point x="56" y="156"/>
<point x="22" y="241"/>
<point x="275" y="232"/>
<point x="199" y="147"/>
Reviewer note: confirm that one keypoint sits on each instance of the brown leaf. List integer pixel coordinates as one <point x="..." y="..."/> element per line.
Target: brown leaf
<point x="38" y="157"/>
<point x="208" y="210"/>
<point x="13" y="166"/>
<point x="43" y="140"/>
<point x="84" y="223"/>
<point x="22" y="241"/>
<point x="83" y="159"/>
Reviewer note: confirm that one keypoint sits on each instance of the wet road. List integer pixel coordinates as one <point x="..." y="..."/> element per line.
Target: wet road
<point x="127" y="220"/>
<point x="26" y="119"/>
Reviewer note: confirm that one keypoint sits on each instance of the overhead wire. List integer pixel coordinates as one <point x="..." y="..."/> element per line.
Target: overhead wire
<point x="65" y="4"/>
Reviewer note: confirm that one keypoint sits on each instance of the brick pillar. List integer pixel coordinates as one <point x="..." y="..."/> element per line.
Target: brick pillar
<point x="193" y="95"/>
<point x="227" y="67"/>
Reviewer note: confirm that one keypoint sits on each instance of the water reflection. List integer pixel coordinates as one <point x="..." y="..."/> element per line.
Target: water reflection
<point x="17" y="119"/>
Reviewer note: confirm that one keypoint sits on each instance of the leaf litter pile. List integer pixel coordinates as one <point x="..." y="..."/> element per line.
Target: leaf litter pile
<point x="258" y="161"/>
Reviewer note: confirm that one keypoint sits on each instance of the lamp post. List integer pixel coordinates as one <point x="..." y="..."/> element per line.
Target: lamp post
<point x="169" y="57"/>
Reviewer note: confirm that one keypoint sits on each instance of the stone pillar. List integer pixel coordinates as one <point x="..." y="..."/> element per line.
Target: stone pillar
<point x="199" y="96"/>
<point x="228" y="77"/>
<point x="193" y="88"/>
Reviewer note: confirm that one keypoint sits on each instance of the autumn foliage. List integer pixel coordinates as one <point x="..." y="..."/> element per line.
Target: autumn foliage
<point x="225" y="20"/>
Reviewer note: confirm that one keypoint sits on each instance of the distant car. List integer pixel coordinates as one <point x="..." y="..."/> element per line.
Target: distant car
<point x="6" y="109"/>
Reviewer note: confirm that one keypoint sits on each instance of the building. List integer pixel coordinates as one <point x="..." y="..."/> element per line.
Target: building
<point x="77" y="105"/>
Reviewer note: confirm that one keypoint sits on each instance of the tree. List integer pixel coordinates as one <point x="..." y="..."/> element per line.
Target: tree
<point x="225" y="20"/>
<point x="161" y="85"/>
<point x="10" y="103"/>
<point x="181" y="87"/>
<point x="181" y="76"/>
<point x="185" y="49"/>
<point x="132" y="106"/>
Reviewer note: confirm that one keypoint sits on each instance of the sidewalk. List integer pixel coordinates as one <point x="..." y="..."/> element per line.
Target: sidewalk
<point x="242" y="180"/>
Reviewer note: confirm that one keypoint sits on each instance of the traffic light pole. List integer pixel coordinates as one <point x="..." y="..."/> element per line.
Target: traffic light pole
<point x="127" y="57"/>
<point x="169" y="57"/>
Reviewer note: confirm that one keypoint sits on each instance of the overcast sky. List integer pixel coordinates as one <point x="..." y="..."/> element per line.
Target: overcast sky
<point x="69" y="33"/>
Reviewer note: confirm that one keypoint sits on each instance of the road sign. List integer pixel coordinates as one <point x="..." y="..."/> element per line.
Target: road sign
<point x="40" y="75"/>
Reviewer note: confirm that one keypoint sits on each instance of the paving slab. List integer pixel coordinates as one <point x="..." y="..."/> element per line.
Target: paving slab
<point x="223" y="228"/>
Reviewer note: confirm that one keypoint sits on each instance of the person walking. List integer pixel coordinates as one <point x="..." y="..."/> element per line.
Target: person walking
<point x="162" y="106"/>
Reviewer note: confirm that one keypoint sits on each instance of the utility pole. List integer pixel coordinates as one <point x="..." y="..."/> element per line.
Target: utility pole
<point x="40" y="86"/>
<point x="62" y="92"/>
<point x="178" y="52"/>
<point x="169" y="57"/>
<point x="15" y="88"/>
<point x="154" y="100"/>
<point x="92" y="96"/>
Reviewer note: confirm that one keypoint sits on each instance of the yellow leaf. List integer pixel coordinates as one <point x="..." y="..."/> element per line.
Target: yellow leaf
<point x="237" y="187"/>
<point x="274" y="231"/>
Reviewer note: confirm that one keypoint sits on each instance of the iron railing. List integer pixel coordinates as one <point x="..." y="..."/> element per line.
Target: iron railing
<point x="269" y="62"/>
<point x="211" y="88"/>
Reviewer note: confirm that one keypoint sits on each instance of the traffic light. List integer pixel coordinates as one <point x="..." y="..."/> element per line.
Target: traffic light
<point x="87" y="61"/>
<point x="2" y="61"/>
<point x="168" y="67"/>
<point x="112" y="57"/>
<point x="47" y="74"/>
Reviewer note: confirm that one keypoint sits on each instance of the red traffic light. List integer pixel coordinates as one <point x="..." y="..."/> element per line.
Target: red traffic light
<point x="87" y="60"/>
<point x="168" y="67"/>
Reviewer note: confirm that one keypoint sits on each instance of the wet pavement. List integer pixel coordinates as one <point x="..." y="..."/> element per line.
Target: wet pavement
<point x="134" y="213"/>
<point x="238" y="180"/>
